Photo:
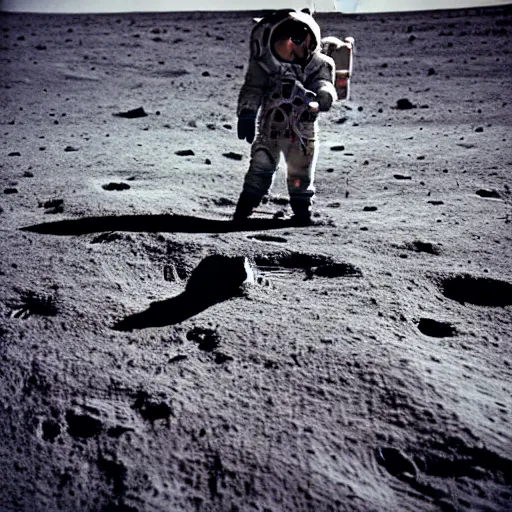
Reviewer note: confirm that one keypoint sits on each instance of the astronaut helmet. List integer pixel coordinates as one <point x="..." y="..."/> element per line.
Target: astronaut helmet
<point x="287" y="35"/>
<point x="290" y="41"/>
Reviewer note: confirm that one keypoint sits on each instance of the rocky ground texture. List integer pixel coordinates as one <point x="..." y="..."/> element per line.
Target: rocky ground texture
<point x="365" y="362"/>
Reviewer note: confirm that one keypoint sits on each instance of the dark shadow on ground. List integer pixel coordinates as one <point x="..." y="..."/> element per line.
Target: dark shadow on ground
<point x="151" y="224"/>
<point x="216" y="279"/>
<point x="166" y="312"/>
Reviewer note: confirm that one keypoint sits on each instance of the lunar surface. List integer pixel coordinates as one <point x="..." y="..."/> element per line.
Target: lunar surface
<point x="155" y="357"/>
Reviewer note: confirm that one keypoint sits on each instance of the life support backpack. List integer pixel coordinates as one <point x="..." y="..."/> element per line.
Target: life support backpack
<point x="341" y="52"/>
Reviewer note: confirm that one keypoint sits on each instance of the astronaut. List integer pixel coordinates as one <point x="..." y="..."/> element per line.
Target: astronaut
<point x="288" y="82"/>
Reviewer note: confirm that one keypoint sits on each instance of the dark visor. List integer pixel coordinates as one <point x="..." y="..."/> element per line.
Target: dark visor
<point x="293" y="30"/>
<point x="299" y="35"/>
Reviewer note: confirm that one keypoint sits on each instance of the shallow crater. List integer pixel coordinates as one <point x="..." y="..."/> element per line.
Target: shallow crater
<point x="314" y="265"/>
<point x="291" y="260"/>
<point x="480" y="291"/>
<point x="436" y="329"/>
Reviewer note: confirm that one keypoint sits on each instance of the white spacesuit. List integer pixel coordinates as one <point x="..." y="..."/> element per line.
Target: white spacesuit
<point x="287" y="83"/>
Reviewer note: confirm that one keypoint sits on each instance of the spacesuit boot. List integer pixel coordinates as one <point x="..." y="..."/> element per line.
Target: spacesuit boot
<point x="246" y="204"/>
<point x="301" y="212"/>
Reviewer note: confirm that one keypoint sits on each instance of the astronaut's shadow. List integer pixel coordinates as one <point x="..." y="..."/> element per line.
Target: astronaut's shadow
<point x="167" y="223"/>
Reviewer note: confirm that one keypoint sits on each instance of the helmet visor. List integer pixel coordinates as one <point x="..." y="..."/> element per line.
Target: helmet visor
<point x="293" y="30"/>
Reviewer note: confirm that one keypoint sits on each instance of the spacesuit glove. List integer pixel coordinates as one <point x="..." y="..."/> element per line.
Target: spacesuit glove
<point x="324" y="100"/>
<point x="306" y="93"/>
<point x="246" y="125"/>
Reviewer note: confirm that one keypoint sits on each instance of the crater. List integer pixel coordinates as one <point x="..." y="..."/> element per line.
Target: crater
<point x="115" y="186"/>
<point x="207" y="339"/>
<point x="150" y="409"/>
<point x="115" y="473"/>
<point x="480" y="291"/>
<point x="336" y="270"/>
<point x="172" y="73"/>
<point x="489" y="194"/>
<point x="291" y="260"/>
<point x="82" y="425"/>
<point x="131" y="114"/>
<point x="453" y="458"/>
<point x="314" y="264"/>
<point x="435" y="329"/>
<point x="420" y="246"/>
<point x="51" y="429"/>
<point x="395" y="461"/>
<point x="233" y="156"/>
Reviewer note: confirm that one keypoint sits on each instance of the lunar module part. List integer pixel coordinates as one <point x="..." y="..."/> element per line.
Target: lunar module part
<point x="341" y="52"/>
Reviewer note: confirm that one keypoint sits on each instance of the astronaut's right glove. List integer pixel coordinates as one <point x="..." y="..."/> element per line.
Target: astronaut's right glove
<point x="325" y="99"/>
<point x="246" y="125"/>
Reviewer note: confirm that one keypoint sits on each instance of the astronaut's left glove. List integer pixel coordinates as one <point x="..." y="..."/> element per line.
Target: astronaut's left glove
<point x="246" y="125"/>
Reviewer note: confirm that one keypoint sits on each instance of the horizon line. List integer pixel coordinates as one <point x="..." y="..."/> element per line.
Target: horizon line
<point x="498" y="4"/>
